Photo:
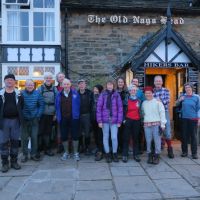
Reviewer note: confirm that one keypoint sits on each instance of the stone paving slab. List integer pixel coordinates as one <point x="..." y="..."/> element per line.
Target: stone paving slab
<point x="4" y="181"/>
<point x="49" y="186"/>
<point x="55" y="174"/>
<point x="136" y="184"/>
<point x="95" y="185"/>
<point x="47" y="196"/>
<point x="179" y="161"/>
<point x="99" y="173"/>
<point x="127" y="171"/>
<point x="140" y="196"/>
<point x="174" y="188"/>
<point x="163" y="175"/>
<point x="190" y="172"/>
<point x="15" y="185"/>
<point x="130" y="163"/>
<point x="96" y="195"/>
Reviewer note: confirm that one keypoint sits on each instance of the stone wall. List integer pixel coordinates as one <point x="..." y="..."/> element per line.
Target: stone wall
<point x="95" y="51"/>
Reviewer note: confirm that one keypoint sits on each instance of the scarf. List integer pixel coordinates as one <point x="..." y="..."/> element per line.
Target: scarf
<point x="109" y="101"/>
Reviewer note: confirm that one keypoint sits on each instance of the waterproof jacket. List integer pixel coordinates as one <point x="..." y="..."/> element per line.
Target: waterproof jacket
<point x="49" y="96"/>
<point x="103" y="114"/>
<point x="33" y="104"/>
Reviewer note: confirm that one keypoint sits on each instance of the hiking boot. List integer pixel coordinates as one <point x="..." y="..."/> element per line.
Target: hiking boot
<point x="15" y="165"/>
<point x="137" y="158"/>
<point x="5" y="163"/>
<point x="150" y="158"/>
<point x="125" y="159"/>
<point x="108" y="158"/>
<point x="98" y="156"/>
<point x="65" y="156"/>
<point x="5" y="167"/>
<point x="194" y="156"/>
<point x="170" y="152"/>
<point x="184" y="154"/>
<point x="35" y="158"/>
<point x="115" y="157"/>
<point x="76" y="157"/>
<point x="49" y="153"/>
<point x="156" y="159"/>
<point x="24" y="158"/>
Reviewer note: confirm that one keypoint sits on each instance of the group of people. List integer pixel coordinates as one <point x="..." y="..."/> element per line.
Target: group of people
<point x="119" y="118"/>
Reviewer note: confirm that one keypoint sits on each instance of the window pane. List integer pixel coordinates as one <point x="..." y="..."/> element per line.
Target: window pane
<point x="38" y="3"/>
<point x="49" y="3"/>
<point x="24" y="19"/>
<point x="10" y="1"/>
<point x="22" y="1"/>
<point x="38" y="19"/>
<point x="13" y="70"/>
<point x="38" y="34"/>
<point x="49" y="19"/>
<point x="13" y="34"/>
<point x="24" y="34"/>
<point x="49" y="34"/>
<point x="13" y="18"/>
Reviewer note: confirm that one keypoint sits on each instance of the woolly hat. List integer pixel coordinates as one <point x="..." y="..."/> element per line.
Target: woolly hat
<point x="148" y="88"/>
<point x="9" y="76"/>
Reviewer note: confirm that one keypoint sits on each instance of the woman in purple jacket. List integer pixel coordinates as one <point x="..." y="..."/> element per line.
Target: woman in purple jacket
<point x="109" y="118"/>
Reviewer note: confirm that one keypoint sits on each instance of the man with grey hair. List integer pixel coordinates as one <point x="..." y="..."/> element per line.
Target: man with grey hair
<point x="163" y="95"/>
<point x="48" y="91"/>
<point x="32" y="111"/>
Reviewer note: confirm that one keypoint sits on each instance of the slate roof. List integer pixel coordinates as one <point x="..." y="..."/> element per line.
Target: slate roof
<point x="132" y="4"/>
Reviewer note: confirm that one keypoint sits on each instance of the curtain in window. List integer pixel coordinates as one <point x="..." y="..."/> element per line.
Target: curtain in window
<point x="49" y="3"/>
<point x="13" y="26"/>
<point x="49" y="27"/>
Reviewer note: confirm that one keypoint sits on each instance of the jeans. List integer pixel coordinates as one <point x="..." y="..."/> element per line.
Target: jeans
<point x="152" y="132"/>
<point x="107" y="128"/>
<point x="30" y="129"/>
<point x="131" y="128"/>
<point x="189" y="133"/>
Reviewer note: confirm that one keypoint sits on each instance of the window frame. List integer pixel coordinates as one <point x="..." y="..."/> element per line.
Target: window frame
<point x="31" y="10"/>
<point x="17" y="3"/>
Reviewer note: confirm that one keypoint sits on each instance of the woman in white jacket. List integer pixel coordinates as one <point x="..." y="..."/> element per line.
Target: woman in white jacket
<point x="154" y="118"/>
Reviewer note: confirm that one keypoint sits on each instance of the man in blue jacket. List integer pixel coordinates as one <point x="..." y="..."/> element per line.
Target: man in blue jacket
<point x="32" y="111"/>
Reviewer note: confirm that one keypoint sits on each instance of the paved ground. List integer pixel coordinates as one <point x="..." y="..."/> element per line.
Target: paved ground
<point x="53" y="179"/>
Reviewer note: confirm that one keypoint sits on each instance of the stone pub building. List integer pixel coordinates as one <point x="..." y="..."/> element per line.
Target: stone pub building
<point x="107" y="39"/>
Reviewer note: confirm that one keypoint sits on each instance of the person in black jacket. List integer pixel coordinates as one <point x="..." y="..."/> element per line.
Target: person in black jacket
<point x="97" y="131"/>
<point x="11" y="105"/>
<point x="85" y="116"/>
<point x="122" y="90"/>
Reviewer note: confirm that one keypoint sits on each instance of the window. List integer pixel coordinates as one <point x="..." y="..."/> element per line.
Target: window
<point x="17" y="26"/>
<point x="44" y="26"/>
<point x="18" y="71"/>
<point x="17" y="2"/>
<point x="44" y="3"/>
